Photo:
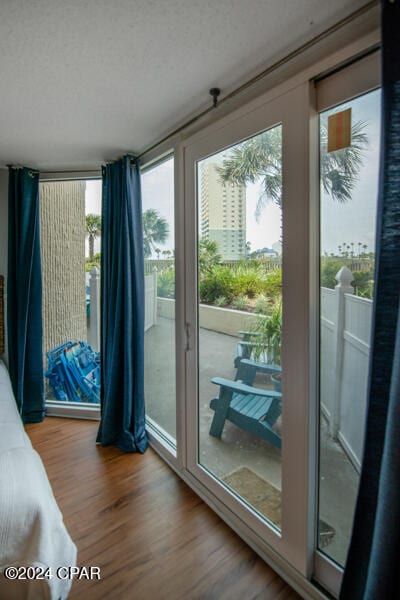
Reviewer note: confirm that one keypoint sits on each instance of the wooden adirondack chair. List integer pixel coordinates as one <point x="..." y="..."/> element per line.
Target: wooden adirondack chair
<point x="248" y="369"/>
<point x="250" y="408"/>
<point x="245" y="347"/>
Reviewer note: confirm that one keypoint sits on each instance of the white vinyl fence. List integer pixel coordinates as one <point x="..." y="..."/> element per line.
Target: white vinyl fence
<point x="345" y="344"/>
<point x="93" y="331"/>
<point x="150" y="300"/>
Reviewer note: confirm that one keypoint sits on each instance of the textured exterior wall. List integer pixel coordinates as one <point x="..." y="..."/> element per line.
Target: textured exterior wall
<point x="62" y="221"/>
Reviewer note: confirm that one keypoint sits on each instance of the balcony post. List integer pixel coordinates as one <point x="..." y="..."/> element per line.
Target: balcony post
<point x="344" y="277"/>
<point x="94" y="329"/>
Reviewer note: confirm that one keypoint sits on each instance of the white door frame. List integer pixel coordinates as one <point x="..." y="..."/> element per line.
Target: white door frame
<point x="291" y="109"/>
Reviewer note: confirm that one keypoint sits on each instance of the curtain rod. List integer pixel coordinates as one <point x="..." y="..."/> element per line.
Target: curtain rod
<point x="249" y="83"/>
<point x="94" y="171"/>
<point x="265" y="72"/>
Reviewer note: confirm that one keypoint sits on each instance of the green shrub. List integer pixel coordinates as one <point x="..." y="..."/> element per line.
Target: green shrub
<point x="208" y="256"/>
<point x="262" y="304"/>
<point x="329" y="269"/>
<point x="247" y="284"/>
<point x="215" y="284"/>
<point x="244" y="280"/>
<point x="272" y="284"/>
<point x="362" y="280"/>
<point x="221" y="301"/>
<point x="239" y="302"/>
<point x="363" y="283"/>
<point x="166" y="283"/>
<point x="89" y="266"/>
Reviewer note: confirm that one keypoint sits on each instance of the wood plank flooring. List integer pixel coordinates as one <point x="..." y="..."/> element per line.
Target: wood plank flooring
<point x="152" y="537"/>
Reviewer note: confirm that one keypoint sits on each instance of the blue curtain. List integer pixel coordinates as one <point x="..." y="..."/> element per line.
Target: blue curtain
<point x="24" y="294"/>
<point x="372" y="568"/>
<point x="122" y="307"/>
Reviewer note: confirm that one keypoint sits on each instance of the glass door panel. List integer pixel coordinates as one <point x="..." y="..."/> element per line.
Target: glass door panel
<point x="349" y="163"/>
<point x="239" y="199"/>
<point x="70" y="223"/>
<point x="159" y="252"/>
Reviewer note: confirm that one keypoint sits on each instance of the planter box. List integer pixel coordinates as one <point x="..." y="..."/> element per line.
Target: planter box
<point x="221" y="320"/>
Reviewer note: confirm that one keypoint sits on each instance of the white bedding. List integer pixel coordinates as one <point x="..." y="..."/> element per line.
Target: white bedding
<point x="32" y="532"/>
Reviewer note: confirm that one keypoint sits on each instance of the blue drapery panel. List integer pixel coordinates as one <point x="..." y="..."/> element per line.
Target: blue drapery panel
<point x="24" y="294"/>
<point x="372" y="568"/>
<point x="122" y="307"/>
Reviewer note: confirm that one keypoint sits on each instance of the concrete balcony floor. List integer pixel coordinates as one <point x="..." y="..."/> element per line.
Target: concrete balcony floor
<point x="237" y="448"/>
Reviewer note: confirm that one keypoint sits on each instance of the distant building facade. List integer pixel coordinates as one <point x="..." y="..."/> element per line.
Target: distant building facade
<point x="223" y="213"/>
<point x="265" y="253"/>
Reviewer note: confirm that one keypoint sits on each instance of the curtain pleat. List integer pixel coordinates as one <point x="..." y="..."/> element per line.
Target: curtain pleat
<point x="371" y="571"/>
<point x="122" y="307"/>
<point x="24" y="294"/>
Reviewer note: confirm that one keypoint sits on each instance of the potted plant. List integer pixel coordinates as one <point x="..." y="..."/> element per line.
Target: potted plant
<point x="267" y="349"/>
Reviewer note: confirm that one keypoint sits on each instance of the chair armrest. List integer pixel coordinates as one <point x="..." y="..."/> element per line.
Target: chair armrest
<point x="242" y="388"/>
<point x="265" y="368"/>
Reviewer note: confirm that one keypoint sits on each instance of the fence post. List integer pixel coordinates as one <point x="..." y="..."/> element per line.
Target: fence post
<point x="344" y="277"/>
<point x="94" y="328"/>
<point x="155" y="296"/>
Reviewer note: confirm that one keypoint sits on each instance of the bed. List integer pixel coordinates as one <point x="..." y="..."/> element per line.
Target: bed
<point x="32" y="532"/>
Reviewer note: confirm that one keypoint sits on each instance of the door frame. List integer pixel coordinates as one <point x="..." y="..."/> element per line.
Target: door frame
<point x="291" y="109"/>
<point x="329" y="574"/>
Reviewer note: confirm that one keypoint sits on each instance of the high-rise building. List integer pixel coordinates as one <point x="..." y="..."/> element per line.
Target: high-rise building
<point x="223" y="213"/>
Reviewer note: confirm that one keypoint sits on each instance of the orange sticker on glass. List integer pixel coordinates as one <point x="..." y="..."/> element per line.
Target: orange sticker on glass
<point x="339" y="130"/>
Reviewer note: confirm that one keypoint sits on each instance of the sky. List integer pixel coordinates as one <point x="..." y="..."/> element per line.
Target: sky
<point x="158" y="193"/>
<point x="353" y="221"/>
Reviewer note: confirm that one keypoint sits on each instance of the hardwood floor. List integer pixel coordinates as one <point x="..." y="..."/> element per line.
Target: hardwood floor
<point x="152" y="537"/>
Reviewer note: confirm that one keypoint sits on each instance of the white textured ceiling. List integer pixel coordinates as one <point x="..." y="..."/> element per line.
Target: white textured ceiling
<point x="83" y="81"/>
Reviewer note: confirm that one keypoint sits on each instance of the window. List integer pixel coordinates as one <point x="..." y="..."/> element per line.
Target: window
<point x="70" y="219"/>
<point x="225" y="456"/>
<point x="347" y="268"/>
<point x="159" y="250"/>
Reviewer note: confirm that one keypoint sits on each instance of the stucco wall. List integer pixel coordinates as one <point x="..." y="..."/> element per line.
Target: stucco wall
<point x="62" y="221"/>
<point x="222" y="320"/>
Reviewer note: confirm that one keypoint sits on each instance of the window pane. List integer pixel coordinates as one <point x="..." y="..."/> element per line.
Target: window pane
<point x="349" y="181"/>
<point x="240" y="307"/>
<point x="159" y="250"/>
<point x="70" y="220"/>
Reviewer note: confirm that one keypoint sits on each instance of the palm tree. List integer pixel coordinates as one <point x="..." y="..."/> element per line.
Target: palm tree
<point x="93" y="229"/>
<point x="261" y="156"/>
<point x="155" y="229"/>
<point x="208" y="255"/>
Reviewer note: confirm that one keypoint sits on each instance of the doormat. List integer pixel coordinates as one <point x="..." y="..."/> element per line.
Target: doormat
<point x="266" y="499"/>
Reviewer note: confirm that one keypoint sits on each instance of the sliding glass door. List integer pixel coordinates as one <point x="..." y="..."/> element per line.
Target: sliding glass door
<point x="244" y="324"/>
<point x="349" y="144"/>
<point x="239" y="289"/>
<point x="261" y="372"/>
<point x="157" y="181"/>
